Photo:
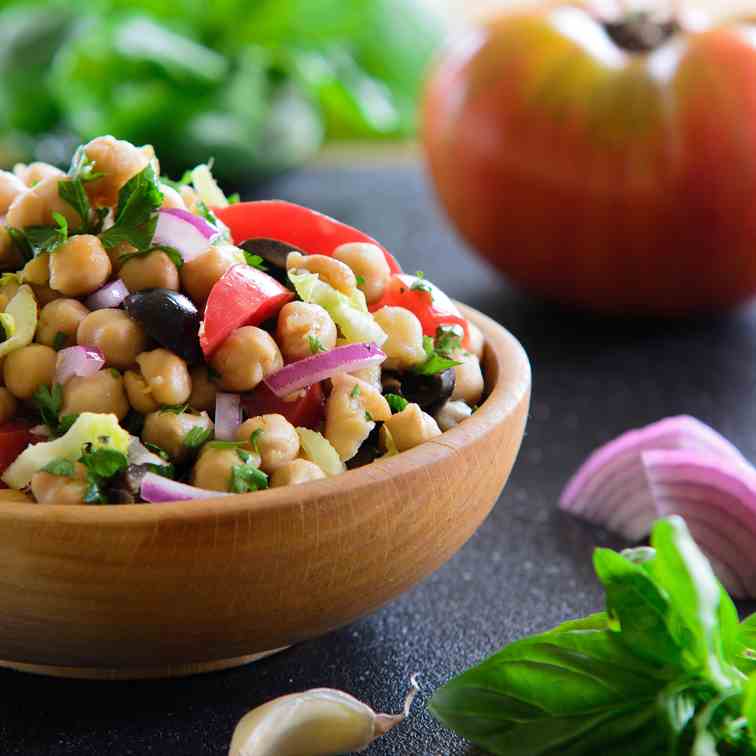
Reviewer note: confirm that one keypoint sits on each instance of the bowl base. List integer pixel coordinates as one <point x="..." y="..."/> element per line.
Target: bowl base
<point x="138" y="673"/>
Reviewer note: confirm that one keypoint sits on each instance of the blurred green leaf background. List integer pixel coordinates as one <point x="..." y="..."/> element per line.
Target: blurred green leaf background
<point x="257" y="84"/>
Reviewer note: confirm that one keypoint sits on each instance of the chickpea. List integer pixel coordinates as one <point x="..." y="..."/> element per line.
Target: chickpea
<point x="168" y="431"/>
<point x="35" y="206"/>
<point x="166" y="375"/>
<point x="295" y="472"/>
<point x="153" y="271"/>
<point x="277" y="443"/>
<point x="102" y="392"/>
<point x="60" y="489"/>
<point x="404" y="346"/>
<point x="468" y="384"/>
<point x="28" y="368"/>
<point x="368" y="262"/>
<point x="79" y="266"/>
<point x="299" y="324"/>
<point x="214" y="467"/>
<point x="33" y="173"/>
<point x="333" y="272"/>
<point x="139" y="394"/>
<point x="171" y="198"/>
<point x="350" y="411"/>
<point x="8" y="405"/>
<point x="119" y="161"/>
<point x="199" y="275"/>
<point x="203" y="389"/>
<point x="10" y="187"/>
<point x="60" y="316"/>
<point x="476" y="339"/>
<point x="7" y="292"/>
<point x="247" y="356"/>
<point x="112" y="331"/>
<point x="10" y="257"/>
<point x="37" y="270"/>
<point x="411" y="427"/>
<point x="452" y="414"/>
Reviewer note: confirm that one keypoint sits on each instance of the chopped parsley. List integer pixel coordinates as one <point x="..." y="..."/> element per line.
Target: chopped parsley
<point x="369" y="417"/>
<point x="43" y="239"/>
<point x="185" y="180"/>
<point x="396" y="402"/>
<point x="83" y="167"/>
<point x="225" y="444"/>
<point x="316" y="345"/>
<point x="174" y="409"/>
<point x="234" y="199"/>
<point x="49" y="400"/>
<point x="254" y="261"/>
<point x="62" y="467"/>
<point x="73" y="193"/>
<point x="20" y="242"/>
<point x="197" y="436"/>
<point x="173" y="255"/>
<point x="65" y="424"/>
<point x="435" y="362"/>
<point x="246" y="477"/>
<point x="448" y="340"/>
<point x="421" y="284"/>
<point x="360" y="280"/>
<point x="254" y="439"/>
<point x="102" y="464"/>
<point x="136" y="214"/>
<point x="355" y="392"/>
<point x="59" y="341"/>
<point x="155" y="449"/>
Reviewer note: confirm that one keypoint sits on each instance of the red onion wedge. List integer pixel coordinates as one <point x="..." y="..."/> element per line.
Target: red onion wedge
<point x="184" y="231"/>
<point x="110" y="295"/>
<point x="610" y="489"/>
<point x="227" y="416"/>
<point x="80" y="361"/>
<point x="344" y="359"/>
<point x="156" y="489"/>
<point x="717" y="499"/>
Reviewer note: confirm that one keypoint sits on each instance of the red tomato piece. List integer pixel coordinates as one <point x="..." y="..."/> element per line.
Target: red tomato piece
<point x="307" y="229"/>
<point x="432" y="308"/>
<point x="307" y="412"/>
<point x="15" y="436"/>
<point x="242" y="296"/>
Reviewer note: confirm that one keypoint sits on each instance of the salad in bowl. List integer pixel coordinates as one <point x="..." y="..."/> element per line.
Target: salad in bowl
<point x="160" y="342"/>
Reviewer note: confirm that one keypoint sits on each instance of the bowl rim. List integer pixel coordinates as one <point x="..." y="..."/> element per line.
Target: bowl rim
<point x="502" y="399"/>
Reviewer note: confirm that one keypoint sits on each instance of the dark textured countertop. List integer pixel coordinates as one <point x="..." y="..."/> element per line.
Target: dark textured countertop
<point x="528" y="567"/>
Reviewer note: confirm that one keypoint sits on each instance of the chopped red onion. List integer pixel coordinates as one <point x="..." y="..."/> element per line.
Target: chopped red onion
<point x="344" y="359"/>
<point x="157" y="489"/>
<point x="185" y="232"/>
<point x="227" y="416"/>
<point x="110" y="295"/>
<point x="139" y="454"/>
<point x="80" y="361"/>
<point x="610" y="489"/>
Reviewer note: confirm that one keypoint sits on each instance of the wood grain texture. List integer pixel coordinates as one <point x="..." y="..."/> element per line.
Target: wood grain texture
<point x="162" y="586"/>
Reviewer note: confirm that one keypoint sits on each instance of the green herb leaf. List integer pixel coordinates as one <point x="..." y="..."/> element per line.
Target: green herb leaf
<point x="62" y="467"/>
<point x="420" y="284"/>
<point x="173" y="255"/>
<point x="155" y="449"/>
<point x="396" y="402"/>
<point x="83" y="168"/>
<point x="213" y="374"/>
<point x="65" y="423"/>
<point x="72" y="192"/>
<point x="216" y="444"/>
<point x="368" y="417"/>
<point x="20" y="242"/>
<point x="197" y="436"/>
<point x="316" y="345"/>
<point x="355" y="392"/>
<point x="167" y="471"/>
<point x="360" y="280"/>
<point x="174" y="409"/>
<point x="234" y="199"/>
<point x="104" y="463"/>
<point x="246" y="478"/>
<point x="448" y="340"/>
<point x="255" y="261"/>
<point x="48" y="400"/>
<point x="60" y="341"/>
<point x="243" y="455"/>
<point x="254" y="439"/>
<point x="136" y="214"/>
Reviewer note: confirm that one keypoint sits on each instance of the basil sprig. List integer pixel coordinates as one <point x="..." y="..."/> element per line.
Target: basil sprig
<point x="664" y="670"/>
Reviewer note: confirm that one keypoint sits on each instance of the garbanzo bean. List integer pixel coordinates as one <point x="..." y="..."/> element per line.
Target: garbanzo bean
<point x="302" y="325"/>
<point x="404" y="346"/>
<point x="368" y="262"/>
<point x="10" y="187"/>
<point x="102" y="392"/>
<point x="35" y="206"/>
<point x="203" y="389"/>
<point x="171" y="198"/>
<point x="28" y="368"/>
<point x="214" y="467"/>
<point x="247" y="356"/>
<point x="10" y="257"/>
<point x="79" y="266"/>
<point x="60" y="316"/>
<point x="333" y="272"/>
<point x="37" y="270"/>
<point x="33" y="173"/>
<point x="139" y="393"/>
<point x="199" y="275"/>
<point x="166" y="375"/>
<point x="168" y="431"/>
<point x="411" y="427"/>
<point x="8" y="405"/>
<point x="60" y="489"/>
<point x="119" y="161"/>
<point x="112" y="331"/>
<point x="468" y="384"/>
<point x="153" y="271"/>
<point x="275" y="439"/>
<point x="295" y="472"/>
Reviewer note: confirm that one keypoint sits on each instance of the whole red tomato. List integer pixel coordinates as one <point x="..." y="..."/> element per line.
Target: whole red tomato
<point x="599" y="175"/>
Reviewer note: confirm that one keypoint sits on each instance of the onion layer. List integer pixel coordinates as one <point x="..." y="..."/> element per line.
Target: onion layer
<point x="184" y="231"/>
<point x="110" y="295"/>
<point x="157" y="489"/>
<point x="80" y="361"/>
<point x="227" y="416"/>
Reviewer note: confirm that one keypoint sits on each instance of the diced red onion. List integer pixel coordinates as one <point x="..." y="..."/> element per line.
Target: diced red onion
<point x="184" y="231"/>
<point x="80" y="361"/>
<point x="227" y="416"/>
<point x="610" y="489"/>
<point x="717" y="499"/>
<point x="110" y="295"/>
<point x="344" y="359"/>
<point x="157" y="489"/>
<point x="139" y="454"/>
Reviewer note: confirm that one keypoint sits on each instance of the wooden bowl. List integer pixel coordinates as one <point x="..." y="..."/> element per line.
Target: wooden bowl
<point x="168" y="589"/>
